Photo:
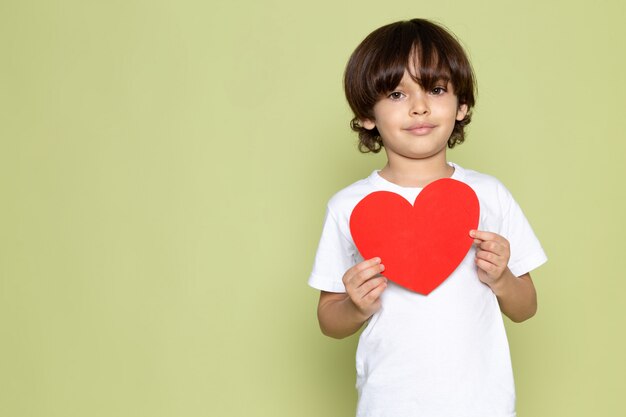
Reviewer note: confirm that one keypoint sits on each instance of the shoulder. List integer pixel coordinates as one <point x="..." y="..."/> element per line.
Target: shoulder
<point x="481" y="180"/>
<point x="487" y="187"/>
<point x="495" y="200"/>
<point x="343" y="201"/>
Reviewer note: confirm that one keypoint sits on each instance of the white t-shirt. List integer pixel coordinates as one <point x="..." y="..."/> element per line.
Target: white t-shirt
<point x="441" y="355"/>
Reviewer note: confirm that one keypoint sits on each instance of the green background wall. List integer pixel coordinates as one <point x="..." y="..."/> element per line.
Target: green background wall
<point x="164" y="168"/>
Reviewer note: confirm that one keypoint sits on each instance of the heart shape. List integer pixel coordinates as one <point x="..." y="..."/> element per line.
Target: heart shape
<point x="420" y="244"/>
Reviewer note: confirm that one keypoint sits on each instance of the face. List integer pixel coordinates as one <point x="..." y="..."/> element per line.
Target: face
<point x="414" y="123"/>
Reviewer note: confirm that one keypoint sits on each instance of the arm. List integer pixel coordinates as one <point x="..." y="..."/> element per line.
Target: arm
<point x="342" y="314"/>
<point x="516" y="295"/>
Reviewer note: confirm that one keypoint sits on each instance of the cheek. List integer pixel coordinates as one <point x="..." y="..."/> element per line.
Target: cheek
<point x="385" y="126"/>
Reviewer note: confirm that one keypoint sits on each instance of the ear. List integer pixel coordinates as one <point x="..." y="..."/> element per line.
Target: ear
<point x="461" y="112"/>
<point x="367" y="124"/>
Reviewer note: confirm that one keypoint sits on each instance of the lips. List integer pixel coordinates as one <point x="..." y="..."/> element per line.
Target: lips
<point x="420" y="128"/>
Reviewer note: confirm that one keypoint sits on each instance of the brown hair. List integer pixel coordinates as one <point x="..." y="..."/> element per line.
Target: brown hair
<point x="378" y="64"/>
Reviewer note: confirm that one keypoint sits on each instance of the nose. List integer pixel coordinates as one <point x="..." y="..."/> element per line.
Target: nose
<point x="419" y="106"/>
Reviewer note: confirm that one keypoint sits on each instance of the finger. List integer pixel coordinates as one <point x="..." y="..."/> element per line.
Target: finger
<point x="361" y="266"/>
<point x="492" y="246"/>
<point x="371" y="285"/>
<point x="490" y="257"/>
<point x="365" y="264"/>
<point x="367" y="274"/>
<point x="376" y="292"/>
<point x="482" y="235"/>
<point x="488" y="267"/>
<point x="358" y="278"/>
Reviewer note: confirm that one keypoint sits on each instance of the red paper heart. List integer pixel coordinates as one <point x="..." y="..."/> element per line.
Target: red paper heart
<point x="420" y="244"/>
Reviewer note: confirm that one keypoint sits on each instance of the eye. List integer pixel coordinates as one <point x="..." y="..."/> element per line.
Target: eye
<point x="437" y="91"/>
<point x="396" y="95"/>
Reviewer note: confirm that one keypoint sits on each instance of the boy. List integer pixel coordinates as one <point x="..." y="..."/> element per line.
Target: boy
<point x="411" y="88"/>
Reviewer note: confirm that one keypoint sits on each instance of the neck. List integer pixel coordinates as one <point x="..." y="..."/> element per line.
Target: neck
<point x="416" y="172"/>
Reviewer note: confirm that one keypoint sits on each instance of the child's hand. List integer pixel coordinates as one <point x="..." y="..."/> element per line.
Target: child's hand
<point x="364" y="285"/>
<point x="492" y="256"/>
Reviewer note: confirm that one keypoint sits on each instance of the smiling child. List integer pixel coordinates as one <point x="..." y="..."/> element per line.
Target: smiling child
<point x="411" y="88"/>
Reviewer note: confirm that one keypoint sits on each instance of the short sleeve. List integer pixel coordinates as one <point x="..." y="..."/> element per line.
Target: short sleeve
<point x="335" y="255"/>
<point x="526" y="251"/>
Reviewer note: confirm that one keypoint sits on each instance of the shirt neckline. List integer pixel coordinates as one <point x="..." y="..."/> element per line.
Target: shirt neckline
<point x="380" y="182"/>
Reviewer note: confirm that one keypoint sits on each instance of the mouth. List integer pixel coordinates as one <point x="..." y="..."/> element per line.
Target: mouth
<point x="420" y="128"/>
